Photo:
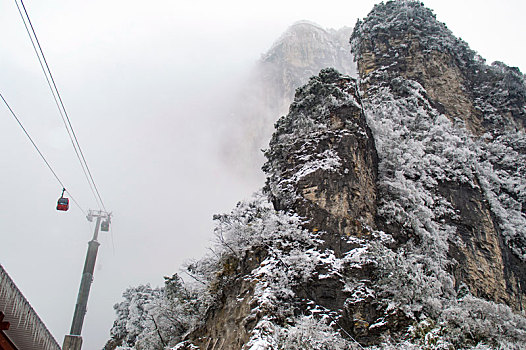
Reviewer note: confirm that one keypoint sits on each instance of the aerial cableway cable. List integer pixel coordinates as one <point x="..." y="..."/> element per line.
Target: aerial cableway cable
<point x="40" y="153"/>
<point x="58" y="100"/>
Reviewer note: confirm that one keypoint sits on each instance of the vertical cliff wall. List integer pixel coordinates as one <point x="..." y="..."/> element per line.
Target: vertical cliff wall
<point x="322" y="161"/>
<point x="401" y="50"/>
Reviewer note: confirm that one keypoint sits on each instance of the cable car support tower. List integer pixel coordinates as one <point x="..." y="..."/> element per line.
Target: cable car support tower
<point x="73" y="341"/>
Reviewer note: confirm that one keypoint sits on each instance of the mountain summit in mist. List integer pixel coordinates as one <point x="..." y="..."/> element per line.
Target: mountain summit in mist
<point x="393" y="214"/>
<point x="301" y="52"/>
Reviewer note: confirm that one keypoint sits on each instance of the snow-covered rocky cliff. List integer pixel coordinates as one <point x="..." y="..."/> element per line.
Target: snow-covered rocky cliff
<point x="393" y="215"/>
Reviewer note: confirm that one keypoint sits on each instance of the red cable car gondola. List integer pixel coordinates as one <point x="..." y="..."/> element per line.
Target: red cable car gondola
<point x="63" y="202"/>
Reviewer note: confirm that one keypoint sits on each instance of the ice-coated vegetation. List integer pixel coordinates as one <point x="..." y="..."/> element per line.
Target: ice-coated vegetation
<point x="502" y="166"/>
<point x="305" y="333"/>
<point x="157" y="318"/>
<point x="418" y="149"/>
<point x="154" y="318"/>
<point x="391" y="286"/>
<point x="422" y="143"/>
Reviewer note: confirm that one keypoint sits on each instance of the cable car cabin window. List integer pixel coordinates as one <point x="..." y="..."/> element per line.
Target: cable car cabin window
<point x="105" y="226"/>
<point x="63" y="204"/>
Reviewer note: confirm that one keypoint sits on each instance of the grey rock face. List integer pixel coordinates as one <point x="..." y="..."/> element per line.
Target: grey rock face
<point x="322" y="161"/>
<point x="391" y="50"/>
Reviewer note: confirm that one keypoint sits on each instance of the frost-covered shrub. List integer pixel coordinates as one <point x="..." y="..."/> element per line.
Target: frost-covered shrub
<point x="253" y="226"/>
<point x="404" y="278"/>
<point x="502" y="168"/>
<point x="476" y="320"/>
<point x="308" y="332"/>
<point x="154" y="318"/>
<point x="418" y="148"/>
<point x="292" y="257"/>
<point x="255" y="223"/>
<point x="132" y="313"/>
<point x="499" y="95"/>
<point x="289" y="257"/>
<point x="303" y="333"/>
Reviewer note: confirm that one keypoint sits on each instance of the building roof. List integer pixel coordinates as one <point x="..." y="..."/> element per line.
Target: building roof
<point x="26" y="329"/>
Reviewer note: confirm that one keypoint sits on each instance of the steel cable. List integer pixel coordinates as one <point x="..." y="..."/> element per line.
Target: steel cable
<point x="60" y="104"/>
<point x="40" y="153"/>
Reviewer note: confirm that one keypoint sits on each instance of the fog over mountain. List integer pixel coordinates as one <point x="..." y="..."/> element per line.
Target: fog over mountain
<point x="160" y="97"/>
<point x="300" y="52"/>
<point x="393" y="213"/>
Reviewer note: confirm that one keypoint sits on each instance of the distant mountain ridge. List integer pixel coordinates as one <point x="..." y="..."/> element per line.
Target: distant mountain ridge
<point x="393" y="214"/>
<point x="302" y="51"/>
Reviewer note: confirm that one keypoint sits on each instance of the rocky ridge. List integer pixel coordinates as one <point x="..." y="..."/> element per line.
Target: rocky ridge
<point x="393" y="216"/>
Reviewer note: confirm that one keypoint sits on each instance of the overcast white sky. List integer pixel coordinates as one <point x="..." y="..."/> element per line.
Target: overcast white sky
<point x="147" y="86"/>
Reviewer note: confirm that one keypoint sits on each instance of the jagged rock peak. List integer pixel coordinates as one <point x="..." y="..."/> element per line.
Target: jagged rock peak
<point x="409" y="20"/>
<point x="404" y="38"/>
<point x="329" y="87"/>
<point x="301" y="52"/>
<point x="322" y="158"/>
